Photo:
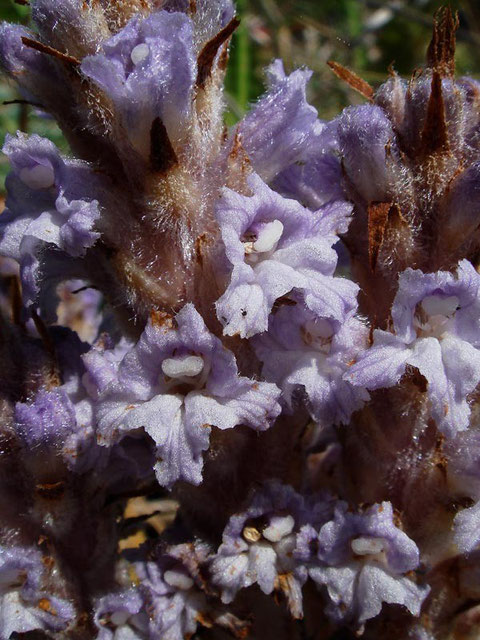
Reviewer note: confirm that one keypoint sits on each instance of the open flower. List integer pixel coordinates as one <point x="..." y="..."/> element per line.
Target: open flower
<point x="303" y="350"/>
<point x="362" y="559"/>
<point x="177" y="382"/>
<point x="258" y="544"/>
<point x="47" y="204"/>
<point x="275" y="246"/>
<point x="436" y="329"/>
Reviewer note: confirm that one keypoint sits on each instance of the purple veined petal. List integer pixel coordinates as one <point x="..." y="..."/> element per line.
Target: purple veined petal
<point x="331" y="297"/>
<point x="282" y="127"/>
<point x="413" y="287"/>
<point x="179" y="442"/>
<point x="375" y="586"/>
<point x="467" y="528"/>
<point x="243" y="308"/>
<point x="256" y="406"/>
<point x="148" y="70"/>
<point x="363" y="133"/>
<point x="77" y="234"/>
<point x="382" y="365"/>
<point x="261" y="567"/>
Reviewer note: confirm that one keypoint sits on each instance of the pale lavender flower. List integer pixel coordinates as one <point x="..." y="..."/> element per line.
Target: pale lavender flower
<point x="362" y="559"/>
<point x="148" y="70"/>
<point x="305" y="351"/>
<point x="176" y="383"/>
<point x="25" y="603"/>
<point x="257" y="547"/>
<point x="435" y="323"/>
<point x="47" y="204"/>
<point x="282" y="127"/>
<point x="121" y="615"/>
<point x="275" y="246"/>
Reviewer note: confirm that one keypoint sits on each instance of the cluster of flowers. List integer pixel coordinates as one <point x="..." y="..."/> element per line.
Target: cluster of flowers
<point x="184" y="324"/>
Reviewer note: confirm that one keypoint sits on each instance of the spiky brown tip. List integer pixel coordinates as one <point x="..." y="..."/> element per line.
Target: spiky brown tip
<point x="441" y="51"/>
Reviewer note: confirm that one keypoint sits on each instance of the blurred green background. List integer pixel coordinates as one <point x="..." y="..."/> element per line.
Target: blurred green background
<point x="365" y="35"/>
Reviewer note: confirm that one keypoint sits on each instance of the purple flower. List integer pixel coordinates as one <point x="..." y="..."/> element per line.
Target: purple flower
<point x="57" y="427"/>
<point x="362" y="559"/>
<point x="47" y="204"/>
<point x="282" y="128"/>
<point x="302" y="350"/>
<point x="436" y="329"/>
<point x="38" y="77"/>
<point x="121" y="615"/>
<point x="173" y="599"/>
<point x="24" y="604"/>
<point x="257" y="547"/>
<point x="148" y="71"/>
<point x="177" y="382"/>
<point x="275" y="246"/>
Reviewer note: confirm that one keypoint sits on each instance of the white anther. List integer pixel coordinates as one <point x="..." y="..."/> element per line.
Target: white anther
<point x="440" y="306"/>
<point x="119" y="618"/>
<point x="279" y="527"/>
<point x="268" y="237"/>
<point x="38" y="177"/>
<point x="366" y="546"/>
<point x="181" y="366"/>
<point x="178" y="580"/>
<point x="140" y="53"/>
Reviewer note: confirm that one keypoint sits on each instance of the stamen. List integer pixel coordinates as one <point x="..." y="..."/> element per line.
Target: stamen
<point x="268" y="237"/>
<point x="38" y="177"/>
<point x="178" y="580"/>
<point x="181" y="366"/>
<point x="440" y="306"/>
<point x="366" y="546"/>
<point x="279" y="527"/>
<point x="140" y="53"/>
